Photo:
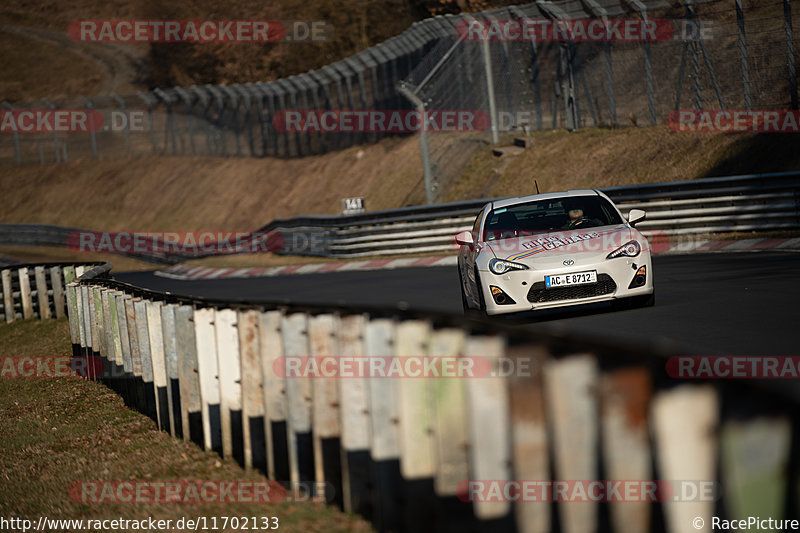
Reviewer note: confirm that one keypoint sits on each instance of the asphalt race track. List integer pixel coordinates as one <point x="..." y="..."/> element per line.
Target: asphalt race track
<point x="708" y="304"/>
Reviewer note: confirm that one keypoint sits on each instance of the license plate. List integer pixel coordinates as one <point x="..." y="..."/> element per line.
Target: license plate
<point x="567" y="280"/>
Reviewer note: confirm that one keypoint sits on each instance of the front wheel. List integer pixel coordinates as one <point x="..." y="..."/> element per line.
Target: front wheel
<point x="464" y="303"/>
<point x="482" y="309"/>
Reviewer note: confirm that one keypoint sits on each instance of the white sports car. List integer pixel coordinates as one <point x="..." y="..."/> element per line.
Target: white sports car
<point x="554" y="250"/>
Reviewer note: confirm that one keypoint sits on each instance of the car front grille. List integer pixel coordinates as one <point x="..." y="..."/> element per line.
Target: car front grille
<point x="604" y="285"/>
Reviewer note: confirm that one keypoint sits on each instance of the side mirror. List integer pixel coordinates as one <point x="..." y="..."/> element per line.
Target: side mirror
<point x="464" y="238"/>
<point x="635" y="216"/>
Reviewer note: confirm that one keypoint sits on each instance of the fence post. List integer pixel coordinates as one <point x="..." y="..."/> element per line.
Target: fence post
<point x="415" y="401"/>
<point x="354" y="409"/>
<point x="489" y="425"/>
<point x="25" y="293"/>
<point x="790" y="60"/>
<point x="72" y="313"/>
<point x="98" y="333"/>
<point x="139" y="399"/>
<point x="88" y="310"/>
<point x="229" y="370"/>
<point x="765" y="441"/>
<point x="748" y="104"/>
<point x="41" y="292"/>
<point x="380" y="341"/>
<point x="683" y="425"/>
<point x="529" y="440"/>
<point x="271" y="342"/>
<point x="116" y="338"/>
<point x="143" y="338"/>
<point x="572" y="405"/>
<point x="188" y="377"/>
<point x="58" y="291"/>
<point x="252" y="394"/>
<point x="323" y="340"/>
<point x="206" y="346"/>
<point x="169" y="335"/>
<point x="294" y="330"/>
<point x="424" y="149"/>
<point x="129" y="386"/>
<point x="76" y="320"/>
<point x="624" y="402"/>
<point x="107" y="340"/>
<point x="648" y="68"/>
<point x="8" y="296"/>
<point x="487" y="68"/>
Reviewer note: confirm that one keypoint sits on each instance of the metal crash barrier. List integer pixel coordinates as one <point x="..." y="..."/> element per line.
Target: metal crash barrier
<point x="463" y="452"/>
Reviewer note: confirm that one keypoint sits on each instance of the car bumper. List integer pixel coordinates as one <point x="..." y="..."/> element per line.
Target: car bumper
<point x="526" y="287"/>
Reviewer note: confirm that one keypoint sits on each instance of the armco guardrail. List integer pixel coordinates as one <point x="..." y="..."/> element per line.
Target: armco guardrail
<point x="36" y="290"/>
<point x="401" y="450"/>
<point x="756" y="202"/>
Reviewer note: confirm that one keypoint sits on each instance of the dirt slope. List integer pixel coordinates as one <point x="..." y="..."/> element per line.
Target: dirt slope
<point x="227" y="194"/>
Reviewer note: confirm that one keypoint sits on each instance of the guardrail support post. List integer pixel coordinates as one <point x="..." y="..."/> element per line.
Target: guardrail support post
<point x="294" y="330"/>
<point x="8" y="296"/>
<point x="188" y="377"/>
<point x="269" y="329"/>
<point x="25" y="293"/>
<point x="354" y="409"/>
<point x="252" y="394"/>
<point x="58" y="291"/>
<point x="323" y="339"/>
<point x="230" y="388"/>
<point x="206" y="346"/>
<point x="41" y="293"/>
<point x="171" y="367"/>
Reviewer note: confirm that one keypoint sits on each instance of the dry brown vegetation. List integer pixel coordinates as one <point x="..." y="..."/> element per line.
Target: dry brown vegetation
<point x="238" y="194"/>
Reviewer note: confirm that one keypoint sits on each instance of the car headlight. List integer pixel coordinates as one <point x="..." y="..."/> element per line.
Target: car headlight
<point x="629" y="249"/>
<point x="498" y="266"/>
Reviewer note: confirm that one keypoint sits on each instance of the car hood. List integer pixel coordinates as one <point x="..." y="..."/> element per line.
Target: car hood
<point x="547" y="250"/>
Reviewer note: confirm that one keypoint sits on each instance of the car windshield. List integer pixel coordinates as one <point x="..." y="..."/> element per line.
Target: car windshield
<point x="540" y="216"/>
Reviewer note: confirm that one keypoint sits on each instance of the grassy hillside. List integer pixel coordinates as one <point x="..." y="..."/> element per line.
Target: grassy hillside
<point x="205" y="193"/>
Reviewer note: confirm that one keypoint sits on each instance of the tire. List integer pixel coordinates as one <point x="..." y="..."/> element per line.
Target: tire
<point x="482" y="309"/>
<point x="464" y="302"/>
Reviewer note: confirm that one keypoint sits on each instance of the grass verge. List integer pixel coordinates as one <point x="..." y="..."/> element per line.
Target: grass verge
<point x="56" y="432"/>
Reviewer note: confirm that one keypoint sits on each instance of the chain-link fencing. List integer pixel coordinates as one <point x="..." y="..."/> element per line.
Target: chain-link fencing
<point x="712" y="55"/>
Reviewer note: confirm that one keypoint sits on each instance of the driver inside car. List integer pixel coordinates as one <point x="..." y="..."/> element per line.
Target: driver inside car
<point x="575" y="214"/>
<point x="578" y="218"/>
